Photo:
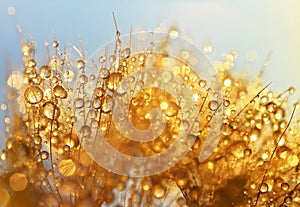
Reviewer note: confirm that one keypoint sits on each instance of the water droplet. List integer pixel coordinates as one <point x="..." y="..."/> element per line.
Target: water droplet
<point x="99" y="92"/>
<point x="172" y="109"/>
<point x="288" y="200"/>
<point x="126" y="52"/>
<point x="31" y="63"/>
<point x="78" y="103"/>
<point x="92" y="77"/>
<point x="292" y="90"/>
<point x="68" y="75"/>
<point x="58" y="181"/>
<point x="45" y="72"/>
<point x="226" y="103"/>
<point x="97" y="103"/>
<point x="264" y="188"/>
<point x="247" y="152"/>
<point x="83" y="79"/>
<point x="92" y="114"/>
<point x="271" y="107"/>
<point x="102" y="59"/>
<point x="44" y="155"/>
<point x="85" y="131"/>
<point x="107" y="104"/>
<point x="60" y="92"/>
<point x="112" y="58"/>
<point x="51" y="111"/>
<point x="104" y="73"/>
<point x="33" y="94"/>
<point x="55" y="44"/>
<point x="285" y="186"/>
<point x="202" y="83"/>
<point x="113" y="81"/>
<point x="213" y="105"/>
<point x="159" y="191"/>
<point x="80" y="64"/>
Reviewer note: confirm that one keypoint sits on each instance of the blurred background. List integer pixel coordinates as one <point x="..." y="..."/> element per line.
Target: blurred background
<point x="254" y="28"/>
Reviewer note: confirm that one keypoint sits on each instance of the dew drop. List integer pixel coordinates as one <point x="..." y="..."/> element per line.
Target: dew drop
<point x="51" y="111"/>
<point x="126" y="52"/>
<point x="226" y="103"/>
<point x="202" y="83"/>
<point x="83" y="79"/>
<point x="292" y="90"/>
<point x="97" y="103"/>
<point x="285" y="186"/>
<point x="44" y="155"/>
<point x="264" y="188"/>
<point x="288" y="200"/>
<point x="31" y="63"/>
<point x="92" y="77"/>
<point x="106" y="106"/>
<point x="104" y="73"/>
<point x="68" y="75"/>
<point x="247" y="152"/>
<point x="112" y="58"/>
<point x="78" y="103"/>
<point x="80" y="64"/>
<point x="85" y="131"/>
<point x="172" y="109"/>
<point x="159" y="191"/>
<point x="113" y="81"/>
<point x="33" y="94"/>
<point x="99" y="92"/>
<point x="55" y="44"/>
<point x="45" y="72"/>
<point x="213" y="105"/>
<point x="271" y="107"/>
<point x="60" y="92"/>
<point x="102" y="59"/>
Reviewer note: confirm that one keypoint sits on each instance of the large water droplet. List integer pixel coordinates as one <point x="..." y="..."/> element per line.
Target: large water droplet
<point x="159" y="191"/>
<point x="113" y="81"/>
<point x="126" y="52"/>
<point x="80" y="64"/>
<point x="104" y="73"/>
<point x="45" y="72"/>
<point x="60" y="92"/>
<point x="44" y="155"/>
<point x="51" y="111"/>
<point x="213" y="105"/>
<point x="107" y="104"/>
<point x="264" y="188"/>
<point x="78" y="103"/>
<point x="33" y="94"/>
